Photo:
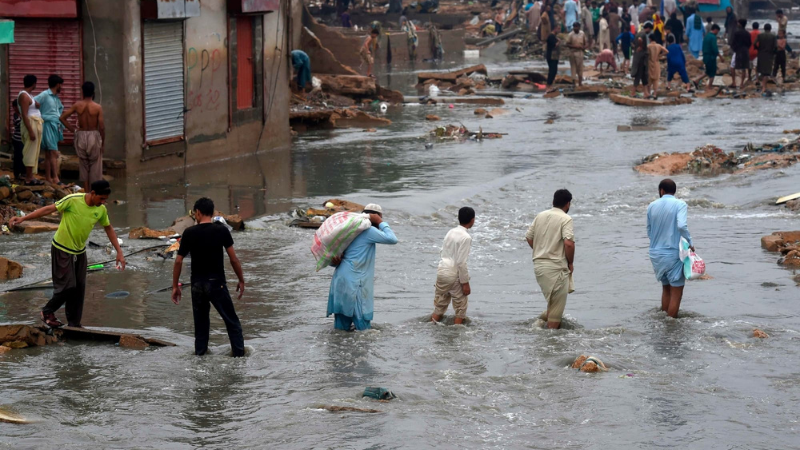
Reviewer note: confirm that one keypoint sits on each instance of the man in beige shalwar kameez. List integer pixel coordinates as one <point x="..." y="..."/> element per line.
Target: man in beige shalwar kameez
<point x="553" y="242"/>
<point x="89" y="135"/>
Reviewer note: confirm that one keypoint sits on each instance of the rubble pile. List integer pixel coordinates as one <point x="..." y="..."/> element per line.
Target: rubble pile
<point x="340" y="101"/>
<point x="460" y="132"/>
<point x="18" y="200"/>
<point x="710" y="159"/>
<point x="179" y="225"/>
<point x="23" y="336"/>
<point x="787" y="243"/>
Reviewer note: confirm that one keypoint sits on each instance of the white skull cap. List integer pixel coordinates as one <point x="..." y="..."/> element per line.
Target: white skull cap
<point x="373" y="207"/>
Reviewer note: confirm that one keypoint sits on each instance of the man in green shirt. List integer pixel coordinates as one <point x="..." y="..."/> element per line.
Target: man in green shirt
<point x="596" y="21"/>
<point x="79" y="214"/>
<point x="710" y="54"/>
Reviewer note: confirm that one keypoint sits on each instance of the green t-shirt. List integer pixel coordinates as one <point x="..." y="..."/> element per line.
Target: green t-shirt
<point x="710" y="47"/>
<point x="77" y="221"/>
<point x="595" y="14"/>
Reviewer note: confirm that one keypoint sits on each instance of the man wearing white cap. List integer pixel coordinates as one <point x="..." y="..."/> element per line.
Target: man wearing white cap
<point x="351" y="296"/>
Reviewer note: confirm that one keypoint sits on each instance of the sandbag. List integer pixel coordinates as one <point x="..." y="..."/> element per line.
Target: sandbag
<point x="336" y="234"/>
<point x="693" y="266"/>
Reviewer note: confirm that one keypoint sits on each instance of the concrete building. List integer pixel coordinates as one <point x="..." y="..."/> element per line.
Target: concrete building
<point x="182" y="82"/>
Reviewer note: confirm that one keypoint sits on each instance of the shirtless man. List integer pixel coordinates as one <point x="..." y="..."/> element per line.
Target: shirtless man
<point x="89" y="136"/>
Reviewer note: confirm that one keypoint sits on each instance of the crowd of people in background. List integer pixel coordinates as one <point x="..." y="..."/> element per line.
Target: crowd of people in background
<point x="637" y="36"/>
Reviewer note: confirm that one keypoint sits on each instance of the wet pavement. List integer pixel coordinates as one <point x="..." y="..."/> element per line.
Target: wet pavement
<point x="697" y="382"/>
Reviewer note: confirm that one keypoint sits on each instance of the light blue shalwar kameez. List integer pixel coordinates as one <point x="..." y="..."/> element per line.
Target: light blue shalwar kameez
<point x="695" y="36"/>
<point x="571" y="14"/>
<point x="351" y="296"/>
<point x="666" y="224"/>
<point x="51" y="109"/>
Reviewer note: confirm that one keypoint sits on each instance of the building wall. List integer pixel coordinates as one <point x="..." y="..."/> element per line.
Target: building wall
<point x="114" y="64"/>
<point x="208" y="137"/>
<point x="102" y="21"/>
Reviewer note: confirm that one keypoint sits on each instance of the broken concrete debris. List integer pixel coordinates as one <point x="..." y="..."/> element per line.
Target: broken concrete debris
<point x="180" y="225"/>
<point x="18" y="200"/>
<point x="787" y="243"/>
<point x="22" y="336"/>
<point x="589" y="364"/>
<point x="9" y="270"/>
<point x="710" y="159"/>
<point x="133" y="342"/>
<point x="460" y="132"/>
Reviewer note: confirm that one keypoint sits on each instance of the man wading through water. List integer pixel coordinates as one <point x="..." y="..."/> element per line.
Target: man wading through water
<point x="553" y="242"/>
<point x="452" y="276"/>
<point x="79" y="214"/>
<point x="205" y="242"/>
<point x="666" y="225"/>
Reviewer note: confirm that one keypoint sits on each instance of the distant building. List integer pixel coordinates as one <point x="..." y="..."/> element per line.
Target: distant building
<point x="177" y="78"/>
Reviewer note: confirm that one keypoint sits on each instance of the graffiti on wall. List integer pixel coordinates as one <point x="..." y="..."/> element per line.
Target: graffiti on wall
<point x="202" y="68"/>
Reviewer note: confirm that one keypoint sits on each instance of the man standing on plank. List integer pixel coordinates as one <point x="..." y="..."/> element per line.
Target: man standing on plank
<point x="79" y="214"/>
<point x="666" y="225"/>
<point x="89" y="136"/>
<point x="205" y="243"/>
<point x="553" y="242"/>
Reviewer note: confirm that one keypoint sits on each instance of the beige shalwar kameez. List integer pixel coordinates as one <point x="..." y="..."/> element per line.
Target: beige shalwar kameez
<point x="548" y="232"/>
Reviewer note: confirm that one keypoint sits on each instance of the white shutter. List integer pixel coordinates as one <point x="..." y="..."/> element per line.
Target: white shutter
<point x="163" y="80"/>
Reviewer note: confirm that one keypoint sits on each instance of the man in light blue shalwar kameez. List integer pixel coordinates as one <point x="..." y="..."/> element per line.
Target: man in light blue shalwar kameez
<point x="695" y="31"/>
<point x="351" y="296"/>
<point x="666" y="225"/>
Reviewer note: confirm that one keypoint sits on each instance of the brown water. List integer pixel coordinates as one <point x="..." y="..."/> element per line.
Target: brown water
<point x="500" y="382"/>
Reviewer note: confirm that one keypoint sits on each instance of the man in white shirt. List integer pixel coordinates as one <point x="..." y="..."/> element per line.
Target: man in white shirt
<point x="452" y="276"/>
<point x="633" y="11"/>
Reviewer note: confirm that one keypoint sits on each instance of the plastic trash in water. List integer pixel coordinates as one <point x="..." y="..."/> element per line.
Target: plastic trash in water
<point x="433" y="91"/>
<point x="378" y="393"/>
<point x="95" y="267"/>
<point x="384" y="107"/>
<point x="221" y="220"/>
<point x="118" y="294"/>
<point x="451" y="106"/>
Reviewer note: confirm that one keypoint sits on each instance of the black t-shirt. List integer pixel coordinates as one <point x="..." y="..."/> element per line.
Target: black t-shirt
<point x="206" y="242"/>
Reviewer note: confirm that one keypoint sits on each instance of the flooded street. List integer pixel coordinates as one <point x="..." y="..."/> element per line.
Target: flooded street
<point x="500" y="382"/>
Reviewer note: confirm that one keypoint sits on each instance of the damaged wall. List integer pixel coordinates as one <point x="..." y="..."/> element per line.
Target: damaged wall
<point x="344" y="44"/>
<point x="322" y="60"/>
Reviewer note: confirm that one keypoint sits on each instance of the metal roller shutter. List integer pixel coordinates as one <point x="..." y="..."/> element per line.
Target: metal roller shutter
<point x="44" y="48"/>
<point x="163" y="80"/>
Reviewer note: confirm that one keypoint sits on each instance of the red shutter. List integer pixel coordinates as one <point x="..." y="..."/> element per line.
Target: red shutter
<point x="43" y="48"/>
<point x="244" y="60"/>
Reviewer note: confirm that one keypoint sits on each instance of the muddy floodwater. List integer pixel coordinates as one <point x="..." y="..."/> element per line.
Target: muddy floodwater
<point x="500" y="382"/>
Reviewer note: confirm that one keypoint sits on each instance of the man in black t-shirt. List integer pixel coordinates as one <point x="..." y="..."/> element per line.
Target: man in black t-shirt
<point x="205" y="243"/>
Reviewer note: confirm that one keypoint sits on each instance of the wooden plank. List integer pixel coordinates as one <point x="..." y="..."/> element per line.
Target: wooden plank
<point x="783" y="200"/>
<point x="505" y="35"/>
<point x="95" y="334"/>
<point x="451" y="76"/>
<point x="582" y="94"/>
<point x="632" y="101"/>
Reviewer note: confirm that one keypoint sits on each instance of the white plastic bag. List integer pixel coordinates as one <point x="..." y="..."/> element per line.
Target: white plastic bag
<point x="693" y="266"/>
<point x="336" y="234"/>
